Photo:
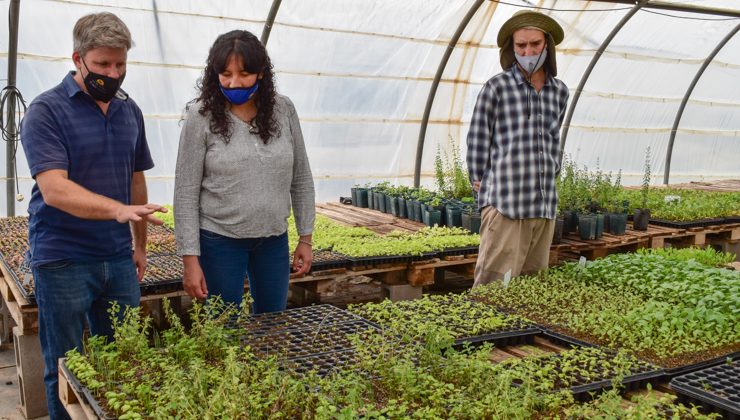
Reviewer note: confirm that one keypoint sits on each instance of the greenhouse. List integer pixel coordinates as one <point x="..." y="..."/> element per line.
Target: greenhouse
<point x="370" y="209"/>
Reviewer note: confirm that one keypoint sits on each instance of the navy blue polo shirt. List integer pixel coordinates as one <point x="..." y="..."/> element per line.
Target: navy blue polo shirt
<point x="65" y="129"/>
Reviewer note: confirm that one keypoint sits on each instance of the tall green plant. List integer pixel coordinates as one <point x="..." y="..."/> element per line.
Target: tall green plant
<point x="645" y="189"/>
<point x="450" y="172"/>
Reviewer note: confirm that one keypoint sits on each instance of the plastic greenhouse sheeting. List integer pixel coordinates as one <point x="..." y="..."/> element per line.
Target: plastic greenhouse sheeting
<point x="359" y="73"/>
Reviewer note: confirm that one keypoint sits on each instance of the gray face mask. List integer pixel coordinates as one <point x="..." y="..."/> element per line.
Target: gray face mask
<point x="532" y="63"/>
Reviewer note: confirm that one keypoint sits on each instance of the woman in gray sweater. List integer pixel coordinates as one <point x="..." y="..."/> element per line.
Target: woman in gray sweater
<point x="241" y="165"/>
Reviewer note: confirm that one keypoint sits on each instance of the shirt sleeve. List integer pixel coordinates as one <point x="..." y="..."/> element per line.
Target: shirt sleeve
<point x="480" y="133"/>
<point x="143" y="157"/>
<point x="302" y="192"/>
<point x="188" y="177"/>
<point x="42" y="140"/>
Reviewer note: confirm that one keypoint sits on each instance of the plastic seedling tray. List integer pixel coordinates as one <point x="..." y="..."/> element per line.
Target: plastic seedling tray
<point x="519" y="333"/>
<point x="715" y="389"/>
<point x="292" y="344"/>
<point x="465" y="250"/>
<point x="565" y="340"/>
<point x="163" y="275"/>
<point x="688" y="224"/>
<point x="327" y="260"/>
<point x="388" y="259"/>
<point x="583" y="389"/>
<point x="305" y="318"/>
<point x="681" y="370"/>
<point x="86" y="394"/>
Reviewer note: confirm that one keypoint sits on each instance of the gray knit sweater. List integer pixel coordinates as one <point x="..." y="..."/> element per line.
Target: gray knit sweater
<point x="243" y="188"/>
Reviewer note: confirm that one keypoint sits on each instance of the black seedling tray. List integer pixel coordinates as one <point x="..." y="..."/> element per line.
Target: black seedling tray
<point x="465" y="250"/>
<point x="630" y="383"/>
<point x="732" y="219"/>
<point x="388" y="259"/>
<point x="639" y="376"/>
<point x="295" y="344"/>
<point x="687" y="224"/>
<point x="305" y="318"/>
<point x="86" y="394"/>
<point x="163" y="275"/>
<point x="327" y="260"/>
<point x="23" y="278"/>
<point x="714" y="389"/>
<point x="681" y="370"/>
<point x="565" y="340"/>
<point x="323" y="364"/>
<point x="521" y="333"/>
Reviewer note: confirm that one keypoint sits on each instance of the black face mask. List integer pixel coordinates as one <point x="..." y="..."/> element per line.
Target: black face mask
<point x="102" y="88"/>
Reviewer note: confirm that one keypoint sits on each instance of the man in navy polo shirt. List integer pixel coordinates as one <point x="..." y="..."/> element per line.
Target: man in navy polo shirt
<point x="86" y="148"/>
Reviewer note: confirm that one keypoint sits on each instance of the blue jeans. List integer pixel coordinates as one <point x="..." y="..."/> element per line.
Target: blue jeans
<point x="67" y="294"/>
<point x="227" y="261"/>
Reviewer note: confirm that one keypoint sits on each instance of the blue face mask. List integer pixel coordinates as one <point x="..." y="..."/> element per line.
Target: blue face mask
<point x="239" y="95"/>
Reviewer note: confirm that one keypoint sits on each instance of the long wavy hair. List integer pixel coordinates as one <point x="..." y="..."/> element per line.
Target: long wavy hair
<point x="245" y="47"/>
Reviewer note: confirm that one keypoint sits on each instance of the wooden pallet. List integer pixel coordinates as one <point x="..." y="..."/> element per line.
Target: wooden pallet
<point x="375" y="220"/>
<point x="24" y="313"/>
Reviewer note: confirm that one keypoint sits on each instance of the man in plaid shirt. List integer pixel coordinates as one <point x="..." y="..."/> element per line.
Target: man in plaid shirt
<point x="514" y="149"/>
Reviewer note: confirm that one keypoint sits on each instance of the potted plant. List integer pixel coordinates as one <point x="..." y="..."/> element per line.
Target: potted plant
<point x="642" y="214"/>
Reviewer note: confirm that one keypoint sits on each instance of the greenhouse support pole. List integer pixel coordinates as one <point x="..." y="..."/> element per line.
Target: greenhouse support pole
<point x="679" y="113"/>
<point x="435" y="84"/>
<point x="15" y="6"/>
<point x="591" y="65"/>
<point x="270" y="20"/>
<point x="679" y="7"/>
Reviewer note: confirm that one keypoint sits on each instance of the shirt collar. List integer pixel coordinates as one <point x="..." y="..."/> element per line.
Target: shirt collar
<point x="519" y="77"/>
<point x="70" y="85"/>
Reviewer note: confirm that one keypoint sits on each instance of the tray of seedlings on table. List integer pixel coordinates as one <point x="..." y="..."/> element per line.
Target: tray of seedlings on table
<point x="683" y="209"/>
<point x="583" y="371"/>
<point x="673" y="308"/>
<point x="163" y="274"/>
<point x="203" y="371"/>
<point x="160" y="240"/>
<point x="326" y="260"/>
<point x="454" y="316"/>
<point x="13" y="248"/>
<point x="716" y="388"/>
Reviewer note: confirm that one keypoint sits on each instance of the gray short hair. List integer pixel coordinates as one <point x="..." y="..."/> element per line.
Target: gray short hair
<point x="100" y="30"/>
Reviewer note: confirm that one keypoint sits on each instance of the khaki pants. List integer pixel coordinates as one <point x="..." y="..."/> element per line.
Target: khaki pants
<point x="519" y="245"/>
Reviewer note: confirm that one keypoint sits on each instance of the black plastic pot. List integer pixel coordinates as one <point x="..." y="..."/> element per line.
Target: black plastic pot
<point x="570" y="221"/>
<point x="380" y="202"/>
<point x="432" y="217"/>
<point x="618" y="223"/>
<point x="599" y="226"/>
<point x="471" y="221"/>
<point x="388" y="199"/>
<point x="361" y="198"/>
<point x="392" y="202"/>
<point x="557" y="234"/>
<point x="353" y="193"/>
<point x="370" y="198"/>
<point x="417" y="210"/>
<point x="402" y="207"/>
<point x="607" y="228"/>
<point x="641" y="219"/>
<point x="587" y="226"/>
<point x="442" y="214"/>
<point x="454" y="216"/>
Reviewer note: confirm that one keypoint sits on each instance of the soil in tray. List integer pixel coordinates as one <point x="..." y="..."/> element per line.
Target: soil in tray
<point x="160" y="240"/>
<point x="163" y="268"/>
<point x="301" y="343"/>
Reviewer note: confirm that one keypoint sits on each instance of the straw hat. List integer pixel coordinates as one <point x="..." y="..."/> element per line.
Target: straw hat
<point x="529" y="19"/>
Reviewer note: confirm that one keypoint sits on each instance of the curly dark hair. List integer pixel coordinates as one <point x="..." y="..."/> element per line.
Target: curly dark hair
<point x="246" y="47"/>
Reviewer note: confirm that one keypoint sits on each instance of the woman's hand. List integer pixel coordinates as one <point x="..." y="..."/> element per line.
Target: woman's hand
<point x="193" y="280"/>
<point x="302" y="257"/>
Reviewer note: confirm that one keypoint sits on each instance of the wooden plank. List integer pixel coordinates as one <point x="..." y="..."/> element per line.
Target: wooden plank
<point x="498" y="355"/>
<point x="548" y="345"/>
<point x="13" y="290"/>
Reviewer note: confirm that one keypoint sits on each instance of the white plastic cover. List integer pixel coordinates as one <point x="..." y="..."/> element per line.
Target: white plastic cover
<point x="360" y="72"/>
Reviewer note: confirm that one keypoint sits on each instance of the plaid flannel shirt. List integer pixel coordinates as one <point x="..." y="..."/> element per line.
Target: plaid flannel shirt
<point x="514" y="145"/>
